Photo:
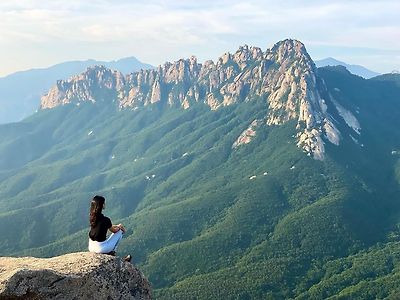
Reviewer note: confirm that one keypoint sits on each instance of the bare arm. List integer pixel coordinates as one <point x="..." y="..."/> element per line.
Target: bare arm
<point x="116" y="228"/>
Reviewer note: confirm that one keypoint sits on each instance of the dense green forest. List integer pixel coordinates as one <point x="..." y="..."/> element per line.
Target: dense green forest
<point x="206" y="220"/>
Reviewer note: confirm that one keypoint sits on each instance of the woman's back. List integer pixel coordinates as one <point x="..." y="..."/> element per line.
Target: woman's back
<point x="99" y="231"/>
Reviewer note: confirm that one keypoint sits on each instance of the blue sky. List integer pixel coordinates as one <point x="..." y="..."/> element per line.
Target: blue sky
<point x="37" y="33"/>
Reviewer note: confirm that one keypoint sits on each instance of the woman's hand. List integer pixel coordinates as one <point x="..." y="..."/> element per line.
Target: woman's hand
<point x="116" y="228"/>
<point x="120" y="226"/>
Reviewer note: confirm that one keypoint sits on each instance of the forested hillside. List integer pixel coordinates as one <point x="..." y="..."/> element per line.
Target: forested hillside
<point x="248" y="198"/>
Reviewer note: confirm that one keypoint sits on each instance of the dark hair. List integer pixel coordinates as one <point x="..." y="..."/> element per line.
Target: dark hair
<point x="96" y="206"/>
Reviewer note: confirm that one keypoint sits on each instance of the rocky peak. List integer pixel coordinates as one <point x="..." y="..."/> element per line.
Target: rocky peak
<point x="96" y="83"/>
<point x="246" y="54"/>
<point x="288" y="49"/>
<point x="72" y="276"/>
<point x="285" y="76"/>
<point x="295" y="94"/>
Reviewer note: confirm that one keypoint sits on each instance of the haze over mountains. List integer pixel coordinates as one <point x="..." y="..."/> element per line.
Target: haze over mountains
<point x="20" y="92"/>
<point x="355" y="69"/>
<point x="254" y="176"/>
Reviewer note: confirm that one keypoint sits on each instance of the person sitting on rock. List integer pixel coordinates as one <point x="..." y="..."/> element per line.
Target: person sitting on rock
<point x="99" y="224"/>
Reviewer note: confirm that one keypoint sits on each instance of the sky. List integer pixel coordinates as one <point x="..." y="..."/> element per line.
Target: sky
<point x="40" y="33"/>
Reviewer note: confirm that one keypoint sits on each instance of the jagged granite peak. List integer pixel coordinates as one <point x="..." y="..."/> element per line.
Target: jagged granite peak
<point x="284" y="76"/>
<point x="81" y="275"/>
<point x="182" y="83"/>
<point x="294" y="94"/>
<point x="96" y="83"/>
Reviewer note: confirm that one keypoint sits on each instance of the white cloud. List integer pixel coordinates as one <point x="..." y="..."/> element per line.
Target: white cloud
<point x="157" y="30"/>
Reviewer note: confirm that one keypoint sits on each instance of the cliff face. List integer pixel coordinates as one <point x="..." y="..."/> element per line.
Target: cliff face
<point x="284" y="76"/>
<point x="233" y="78"/>
<point x="72" y="276"/>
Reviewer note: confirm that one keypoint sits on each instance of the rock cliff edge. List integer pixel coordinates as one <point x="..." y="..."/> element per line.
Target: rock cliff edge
<point x="81" y="275"/>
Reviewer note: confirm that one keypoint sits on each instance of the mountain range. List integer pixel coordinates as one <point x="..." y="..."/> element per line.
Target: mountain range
<point x="355" y="69"/>
<point x="255" y="176"/>
<point x="21" y="91"/>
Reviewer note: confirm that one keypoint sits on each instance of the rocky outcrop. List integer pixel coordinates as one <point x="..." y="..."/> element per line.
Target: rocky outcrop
<point x="294" y="94"/>
<point x="284" y="76"/>
<point x="247" y="135"/>
<point x="96" y="84"/>
<point x="233" y="78"/>
<point x="73" y="276"/>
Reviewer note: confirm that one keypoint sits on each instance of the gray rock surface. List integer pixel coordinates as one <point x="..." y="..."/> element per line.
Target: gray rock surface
<point x="81" y="275"/>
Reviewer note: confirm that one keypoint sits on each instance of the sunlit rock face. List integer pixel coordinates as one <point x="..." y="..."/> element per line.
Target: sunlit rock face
<point x="284" y="76"/>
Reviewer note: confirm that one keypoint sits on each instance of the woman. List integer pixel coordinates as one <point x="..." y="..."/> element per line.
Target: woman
<point x="99" y="224"/>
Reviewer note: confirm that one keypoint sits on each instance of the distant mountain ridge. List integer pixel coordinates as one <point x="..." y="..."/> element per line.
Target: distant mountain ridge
<point x="20" y="92"/>
<point x="355" y="69"/>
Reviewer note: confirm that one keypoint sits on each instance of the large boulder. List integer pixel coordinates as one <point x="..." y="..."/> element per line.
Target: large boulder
<point x="81" y="275"/>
